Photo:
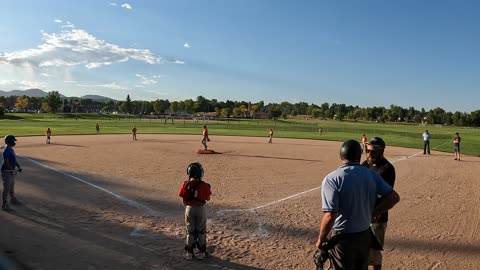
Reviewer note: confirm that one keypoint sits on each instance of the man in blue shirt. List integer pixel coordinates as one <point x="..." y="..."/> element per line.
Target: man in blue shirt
<point x="348" y="201"/>
<point x="426" y="142"/>
<point x="8" y="172"/>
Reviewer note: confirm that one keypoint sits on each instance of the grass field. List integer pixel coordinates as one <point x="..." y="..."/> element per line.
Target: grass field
<point x="403" y="135"/>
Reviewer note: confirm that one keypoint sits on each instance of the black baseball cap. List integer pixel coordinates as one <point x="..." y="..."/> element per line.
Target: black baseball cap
<point x="377" y="142"/>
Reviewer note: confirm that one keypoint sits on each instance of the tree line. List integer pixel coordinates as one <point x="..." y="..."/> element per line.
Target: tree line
<point x="53" y="102"/>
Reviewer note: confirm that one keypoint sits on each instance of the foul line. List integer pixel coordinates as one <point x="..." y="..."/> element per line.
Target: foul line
<point x="120" y="197"/>
<point x="254" y="209"/>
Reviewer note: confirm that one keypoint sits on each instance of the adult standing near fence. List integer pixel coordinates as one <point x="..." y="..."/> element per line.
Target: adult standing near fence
<point x="426" y="142"/>
<point x="97" y="127"/>
<point x="348" y="202"/>
<point x="377" y="162"/>
<point x="456" y="146"/>
<point x="49" y="134"/>
<point x="134" y="133"/>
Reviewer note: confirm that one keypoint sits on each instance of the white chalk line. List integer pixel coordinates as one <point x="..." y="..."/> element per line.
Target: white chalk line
<point x="254" y="209"/>
<point x="137" y="231"/>
<point x="120" y="197"/>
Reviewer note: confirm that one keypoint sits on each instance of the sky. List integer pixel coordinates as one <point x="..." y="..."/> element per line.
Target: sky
<point x="369" y="53"/>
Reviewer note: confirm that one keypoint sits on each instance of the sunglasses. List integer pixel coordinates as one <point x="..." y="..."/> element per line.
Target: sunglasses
<point x="372" y="152"/>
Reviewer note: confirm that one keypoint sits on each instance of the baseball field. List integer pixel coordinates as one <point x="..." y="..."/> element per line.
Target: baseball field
<point x="107" y="202"/>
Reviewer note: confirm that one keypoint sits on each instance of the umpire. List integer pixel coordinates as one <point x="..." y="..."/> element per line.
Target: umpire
<point x="348" y="202"/>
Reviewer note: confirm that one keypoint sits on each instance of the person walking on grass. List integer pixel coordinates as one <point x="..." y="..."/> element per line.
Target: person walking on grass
<point x="195" y="193"/>
<point x="134" y="133"/>
<point x="97" y="128"/>
<point x="377" y="162"/>
<point x="49" y="134"/>
<point x="456" y="146"/>
<point x="426" y="142"/>
<point x="9" y="173"/>
<point x="348" y="202"/>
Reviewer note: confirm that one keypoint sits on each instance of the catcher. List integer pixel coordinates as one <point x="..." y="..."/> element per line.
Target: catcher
<point x="195" y="194"/>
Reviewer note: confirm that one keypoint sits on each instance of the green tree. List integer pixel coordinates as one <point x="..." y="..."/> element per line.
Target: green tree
<point x="201" y="105"/>
<point x="127" y="105"/>
<point x="161" y="105"/>
<point x="53" y="101"/>
<point x="174" y="106"/>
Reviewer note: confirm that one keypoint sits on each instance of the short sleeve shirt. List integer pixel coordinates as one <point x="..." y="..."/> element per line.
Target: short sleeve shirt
<point x="387" y="172"/>
<point x="351" y="192"/>
<point x="456" y="140"/>
<point x="9" y="153"/>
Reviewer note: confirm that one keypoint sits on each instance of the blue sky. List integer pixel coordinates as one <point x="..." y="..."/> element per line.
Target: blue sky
<point x="369" y="53"/>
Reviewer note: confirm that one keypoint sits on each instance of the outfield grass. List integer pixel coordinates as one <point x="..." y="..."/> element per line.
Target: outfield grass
<point x="404" y="135"/>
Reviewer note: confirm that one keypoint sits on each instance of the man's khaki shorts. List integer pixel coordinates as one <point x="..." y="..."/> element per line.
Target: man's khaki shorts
<point x="375" y="256"/>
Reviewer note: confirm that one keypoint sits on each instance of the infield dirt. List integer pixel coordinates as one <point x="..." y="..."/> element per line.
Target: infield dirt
<point x="107" y="202"/>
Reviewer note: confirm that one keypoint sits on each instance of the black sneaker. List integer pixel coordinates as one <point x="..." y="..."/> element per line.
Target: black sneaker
<point x="15" y="202"/>
<point x="6" y="207"/>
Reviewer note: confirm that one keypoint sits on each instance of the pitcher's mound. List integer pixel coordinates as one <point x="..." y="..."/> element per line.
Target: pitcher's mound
<point x="203" y="151"/>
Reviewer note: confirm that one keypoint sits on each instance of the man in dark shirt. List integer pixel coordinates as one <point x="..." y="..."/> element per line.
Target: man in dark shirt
<point x="377" y="162"/>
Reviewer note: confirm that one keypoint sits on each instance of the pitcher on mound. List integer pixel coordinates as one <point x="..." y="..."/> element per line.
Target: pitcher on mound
<point x="205" y="137"/>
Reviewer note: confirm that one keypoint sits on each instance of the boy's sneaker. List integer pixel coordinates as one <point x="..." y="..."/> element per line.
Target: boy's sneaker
<point x="15" y="201"/>
<point x="201" y="255"/>
<point x="188" y="256"/>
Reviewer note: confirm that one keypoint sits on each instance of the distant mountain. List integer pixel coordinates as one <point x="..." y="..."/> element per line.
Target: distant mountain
<point x="97" y="98"/>
<point x="41" y="93"/>
<point x="28" y="93"/>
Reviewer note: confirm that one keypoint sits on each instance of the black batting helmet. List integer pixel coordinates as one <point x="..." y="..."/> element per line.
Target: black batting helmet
<point x="10" y="139"/>
<point x="195" y="170"/>
<point x="351" y="151"/>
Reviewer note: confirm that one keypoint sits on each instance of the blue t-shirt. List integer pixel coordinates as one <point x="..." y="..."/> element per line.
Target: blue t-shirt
<point x="9" y="153"/>
<point x="351" y="191"/>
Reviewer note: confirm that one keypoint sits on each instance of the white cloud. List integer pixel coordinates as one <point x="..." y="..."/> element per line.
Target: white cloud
<point x="68" y="25"/>
<point x="113" y="4"/>
<point x="148" y="81"/>
<point x="114" y="86"/>
<point x="186" y="45"/>
<point x="178" y="62"/>
<point x="70" y="81"/>
<point x="57" y="21"/>
<point x="45" y="74"/>
<point x="155" y="92"/>
<point x="22" y="85"/>
<point x="7" y="82"/>
<point x="127" y="6"/>
<point x="78" y="47"/>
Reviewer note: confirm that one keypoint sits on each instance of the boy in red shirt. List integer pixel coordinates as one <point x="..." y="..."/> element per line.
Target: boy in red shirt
<point x="195" y="194"/>
<point x="134" y="133"/>
<point x="205" y="137"/>
<point x="49" y="134"/>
